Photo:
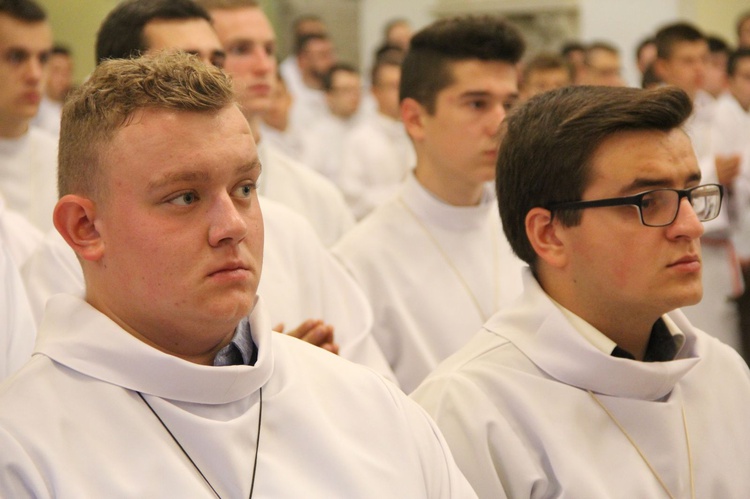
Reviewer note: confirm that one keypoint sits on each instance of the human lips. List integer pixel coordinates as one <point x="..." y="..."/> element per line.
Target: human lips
<point x="688" y="263"/>
<point x="259" y="88"/>
<point x="234" y="269"/>
<point x="31" y="97"/>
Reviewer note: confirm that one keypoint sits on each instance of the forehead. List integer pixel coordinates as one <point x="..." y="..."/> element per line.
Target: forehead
<point x="319" y="45"/>
<point x="603" y="55"/>
<point x="171" y="139"/>
<point x="547" y="73"/>
<point x="638" y="159"/>
<point x="242" y="24"/>
<point x="688" y="49"/>
<point x="344" y="76"/>
<point x="180" y="34"/>
<point x="31" y="36"/>
<point x="473" y="75"/>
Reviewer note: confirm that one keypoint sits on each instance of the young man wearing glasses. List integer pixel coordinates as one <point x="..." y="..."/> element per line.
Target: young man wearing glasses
<point x="593" y="384"/>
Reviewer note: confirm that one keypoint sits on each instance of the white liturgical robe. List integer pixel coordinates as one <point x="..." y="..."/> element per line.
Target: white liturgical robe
<point x="376" y="157"/>
<point x="515" y="407"/>
<point x="722" y="277"/>
<point x="17" y="328"/>
<point x="28" y="175"/>
<point x="300" y="280"/>
<point x="433" y="273"/>
<point x="21" y="237"/>
<point x="313" y="196"/>
<point x="72" y="423"/>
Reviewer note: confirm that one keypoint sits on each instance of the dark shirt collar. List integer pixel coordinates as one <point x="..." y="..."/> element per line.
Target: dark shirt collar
<point x="241" y="350"/>
<point x="661" y="345"/>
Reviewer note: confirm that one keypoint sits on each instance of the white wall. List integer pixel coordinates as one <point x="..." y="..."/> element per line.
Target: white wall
<point x="625" y="23"/>
<point x="622" y="22"/>
<point x="374" y="14"/>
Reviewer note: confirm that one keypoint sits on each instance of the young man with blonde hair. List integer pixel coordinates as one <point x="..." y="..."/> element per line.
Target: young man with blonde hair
<point x="164" y="384"/>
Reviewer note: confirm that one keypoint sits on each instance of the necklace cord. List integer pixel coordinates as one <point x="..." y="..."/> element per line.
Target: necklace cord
<point x="257" y="443"/>
<point x="643" y="457"/>
<point x="443" y="253"/>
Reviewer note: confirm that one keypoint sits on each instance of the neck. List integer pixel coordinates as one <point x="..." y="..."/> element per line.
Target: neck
<point x="745" y="105"/>
<point x="280" y="124"/>
<point x="449" y="188"/>
<point x="13" y="129"/>
<point x="311" y="81"/>
<point x="629" y="329"/>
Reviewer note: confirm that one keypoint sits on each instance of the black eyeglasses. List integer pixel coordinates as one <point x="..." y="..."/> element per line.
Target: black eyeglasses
<point x="659" y="207"/>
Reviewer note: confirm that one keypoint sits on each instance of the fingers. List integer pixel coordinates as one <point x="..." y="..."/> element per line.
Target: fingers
<point x="316" y="332"/>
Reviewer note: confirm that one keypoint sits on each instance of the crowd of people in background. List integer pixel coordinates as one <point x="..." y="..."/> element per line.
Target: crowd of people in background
<point x="390" y="235"/>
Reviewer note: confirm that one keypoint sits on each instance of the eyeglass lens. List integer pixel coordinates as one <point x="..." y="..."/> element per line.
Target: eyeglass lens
<point x="660" y="207"/>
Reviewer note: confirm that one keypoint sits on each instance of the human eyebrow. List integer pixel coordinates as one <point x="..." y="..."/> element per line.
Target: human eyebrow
<point x="176" y="178"/>
<point x="250" y="168"/>
<point x="475" y="94"/>
<point x="641" y="184"/>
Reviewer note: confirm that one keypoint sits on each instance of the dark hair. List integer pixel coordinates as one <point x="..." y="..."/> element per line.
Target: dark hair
<point x="426" y="69"/>
<point x="545" y="62"/>
<point x="299" y="21"/>
<point x="389" y="51"/>
<point x="121" y="34"/>
<point x="60" y="49"/>
<point x="300" y="44"/>
<point x="734" y="57"/>
<point x="387" y="55"/>
<point x="329" y="75"/>
<point x="668" y="36"/>
<point x="650" y="78"/>
<point x="23" y="10"/>
<point x="548" y="143"/>
<point x="569" y="47"/>
<point x="717" y="45"/>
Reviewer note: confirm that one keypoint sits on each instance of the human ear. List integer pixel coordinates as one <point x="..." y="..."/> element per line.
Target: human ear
<point x="412" y="115"/>
<point x="74" y="218"/>
<point x="544" y="235"/>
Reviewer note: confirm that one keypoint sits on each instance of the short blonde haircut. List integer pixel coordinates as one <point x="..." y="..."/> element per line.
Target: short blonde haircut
<point x="117" y="89"/>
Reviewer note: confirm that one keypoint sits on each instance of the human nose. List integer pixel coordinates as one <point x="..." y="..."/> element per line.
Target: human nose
<point x="35" y="69"/>
<point x="263" y="61"/>
<point x="496" y="117"/>
<point x="226" y="223"/>
<point x="686" y="223"/>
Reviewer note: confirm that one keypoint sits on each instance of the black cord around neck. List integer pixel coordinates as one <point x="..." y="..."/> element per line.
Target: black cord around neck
<point x="257" y="443"/>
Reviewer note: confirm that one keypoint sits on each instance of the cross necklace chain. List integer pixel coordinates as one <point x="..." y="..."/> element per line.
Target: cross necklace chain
<point x="174" y="438"/>
<point x="643" y="456"/>
<point x="451" y="264"/>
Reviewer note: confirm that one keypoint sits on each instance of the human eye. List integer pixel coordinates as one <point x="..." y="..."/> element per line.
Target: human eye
<point x="240" y="48"/>
<point x="478" y="104"/>
<point x="218" y="59"/>
<point x="270" y="49"/>
<point x="660" y="204"/>
<point x="510" y="103"/>
<point x="184" y="199"/>
<point x="16" y="56"/>
<point x="244" y="191"/>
